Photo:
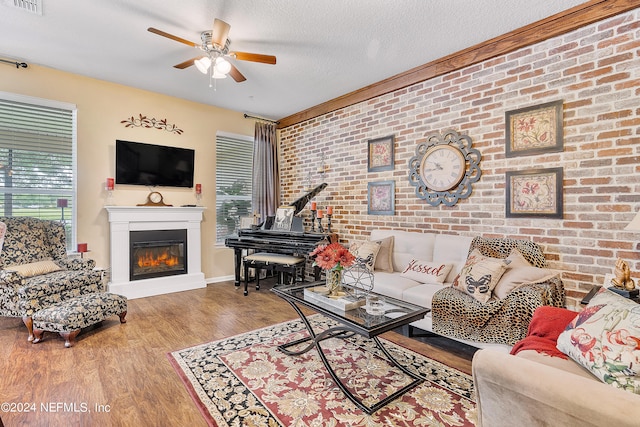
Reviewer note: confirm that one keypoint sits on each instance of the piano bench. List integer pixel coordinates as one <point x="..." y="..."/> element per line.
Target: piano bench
<point x="286" y="265"/>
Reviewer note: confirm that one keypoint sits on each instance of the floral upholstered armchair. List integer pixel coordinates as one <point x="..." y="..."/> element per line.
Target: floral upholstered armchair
<point x="35" y="271"/>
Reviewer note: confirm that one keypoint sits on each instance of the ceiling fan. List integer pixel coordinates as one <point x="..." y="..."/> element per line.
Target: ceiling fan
<point x="215" y="45"/>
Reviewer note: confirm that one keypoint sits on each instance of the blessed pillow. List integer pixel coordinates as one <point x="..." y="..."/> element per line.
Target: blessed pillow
<point x="384" y="260"/>
<point x="605" y="339"/>
<point x="426" y="272"/>
<point x="365" y="253"/>
<point x="480" y="275"/>
<point x="35" y="268"/>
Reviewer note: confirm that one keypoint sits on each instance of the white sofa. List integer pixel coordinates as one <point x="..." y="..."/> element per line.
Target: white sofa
<point x="444" y="248"/>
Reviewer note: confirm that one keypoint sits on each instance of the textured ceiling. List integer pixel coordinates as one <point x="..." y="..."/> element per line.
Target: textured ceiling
<point x="324" y="48"/>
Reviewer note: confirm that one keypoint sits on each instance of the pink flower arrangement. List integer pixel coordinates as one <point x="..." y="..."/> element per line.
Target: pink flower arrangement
<point x="332" y="256"/>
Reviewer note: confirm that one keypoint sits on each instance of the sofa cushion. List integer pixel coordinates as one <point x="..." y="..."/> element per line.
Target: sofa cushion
<point x="34" y="268"/>
<point x="384" y="260"/>
<point x="407" y="245"/>
<point x="426" y="272"/>
<point x="392" y="284"/>
<point x="451" y="249"/>
<point x="480" y="275"/>
<point x="514" y="277"/>
<point x="605" y="339"/>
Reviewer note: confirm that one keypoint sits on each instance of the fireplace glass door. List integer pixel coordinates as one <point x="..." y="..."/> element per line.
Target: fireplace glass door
<point x="157" y="253"/>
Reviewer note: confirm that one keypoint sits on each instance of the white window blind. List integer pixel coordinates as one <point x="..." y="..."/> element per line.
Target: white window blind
<point x="234" y="165"/>
<point x="37" y="166"/>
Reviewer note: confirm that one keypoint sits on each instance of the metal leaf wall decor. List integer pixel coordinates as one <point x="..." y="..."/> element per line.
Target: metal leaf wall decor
<point x="146" y="122"/>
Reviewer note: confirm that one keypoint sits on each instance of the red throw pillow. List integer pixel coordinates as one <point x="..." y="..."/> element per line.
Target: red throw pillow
<point x="546" y="326"/>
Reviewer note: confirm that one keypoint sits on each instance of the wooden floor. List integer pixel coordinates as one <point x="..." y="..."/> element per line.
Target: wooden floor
<point x="119" y="375"/>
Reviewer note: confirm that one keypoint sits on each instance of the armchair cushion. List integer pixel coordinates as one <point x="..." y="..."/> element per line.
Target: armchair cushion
<point x="34" y="268"/>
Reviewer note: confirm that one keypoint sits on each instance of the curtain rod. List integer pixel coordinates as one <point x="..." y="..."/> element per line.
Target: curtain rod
<point x="17" y="64"/>
<point x="246" y="116"/>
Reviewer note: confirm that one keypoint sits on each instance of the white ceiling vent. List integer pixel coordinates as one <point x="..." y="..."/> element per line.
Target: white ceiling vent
<point x="33" y="6"/>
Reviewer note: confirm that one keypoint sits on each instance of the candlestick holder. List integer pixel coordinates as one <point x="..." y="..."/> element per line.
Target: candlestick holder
<point x="109" y="200"/>
<point x="320" y="228"/>
<point x="198" y="199"/>
<point x="329" y="222"/>
<point x="313" y="219"/>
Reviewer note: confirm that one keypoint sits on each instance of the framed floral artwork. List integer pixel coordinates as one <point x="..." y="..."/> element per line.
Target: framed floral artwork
<point x="381" y="154"/>
<point x="534" y="130"/>
<point x="381" y="198"/>
<point x="534" y="193"/>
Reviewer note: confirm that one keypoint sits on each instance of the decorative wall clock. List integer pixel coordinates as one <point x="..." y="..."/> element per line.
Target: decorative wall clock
<point x="444" y="168"/>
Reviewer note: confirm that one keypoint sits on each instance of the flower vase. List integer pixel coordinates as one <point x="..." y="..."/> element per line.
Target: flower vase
<point x="334" y="282"/>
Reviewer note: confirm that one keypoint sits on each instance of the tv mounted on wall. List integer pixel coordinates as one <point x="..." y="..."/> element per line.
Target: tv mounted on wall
<point x="153" y="165"/>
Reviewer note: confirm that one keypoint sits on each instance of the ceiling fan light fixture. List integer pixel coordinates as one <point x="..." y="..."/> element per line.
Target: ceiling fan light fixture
<point x="218" y="75"/>
<point x="203" y="64"/>
<point x="222" y="66"/>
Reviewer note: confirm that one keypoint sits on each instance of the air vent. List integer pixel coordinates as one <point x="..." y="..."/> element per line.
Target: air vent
<point x="33" y="6"/>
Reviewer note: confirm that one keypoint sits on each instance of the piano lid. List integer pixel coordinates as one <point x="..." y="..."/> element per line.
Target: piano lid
<point x="300" y="203"/>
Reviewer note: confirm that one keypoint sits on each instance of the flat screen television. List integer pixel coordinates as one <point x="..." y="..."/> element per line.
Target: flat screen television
<point x="153" y="165"/>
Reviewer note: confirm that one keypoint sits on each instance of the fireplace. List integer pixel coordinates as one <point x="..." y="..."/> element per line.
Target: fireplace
<point x="157" y="253"/>
<point x="134" y="222"/>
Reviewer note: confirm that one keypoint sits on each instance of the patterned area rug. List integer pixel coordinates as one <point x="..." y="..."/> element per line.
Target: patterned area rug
<point x="246" y="381"/>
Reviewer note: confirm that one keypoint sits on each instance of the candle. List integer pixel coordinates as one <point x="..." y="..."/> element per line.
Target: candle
<point x="313" y="206"/>
<point x="82" y="247"/>
<point x="319" y="213"/>
<point x="198" y="188"/>
<point x="330" y="210"/>
<point x="110" y="184"/>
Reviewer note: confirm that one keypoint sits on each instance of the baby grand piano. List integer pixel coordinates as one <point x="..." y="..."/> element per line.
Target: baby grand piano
<point x="295" y="242"/>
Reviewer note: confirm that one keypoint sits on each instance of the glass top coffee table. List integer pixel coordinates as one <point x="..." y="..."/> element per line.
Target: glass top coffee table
<point x="354" y="321"/>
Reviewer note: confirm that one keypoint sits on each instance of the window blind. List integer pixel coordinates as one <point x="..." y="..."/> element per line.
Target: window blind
<point x="234" y="164"/>
<point x="37" y="161"/>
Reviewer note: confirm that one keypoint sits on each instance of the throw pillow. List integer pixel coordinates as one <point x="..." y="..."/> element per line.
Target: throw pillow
<point x="384" y="260"/>
<point x="605" y="339"/>
<point x="365" y="253"/>
<point x="515" y="277"/>
<point x="480" y="275"/>
<point x="517" y="259"/>
<point x="35" y="268"/>
<point x="426" y="272"/>
<point x="547" y="323"/>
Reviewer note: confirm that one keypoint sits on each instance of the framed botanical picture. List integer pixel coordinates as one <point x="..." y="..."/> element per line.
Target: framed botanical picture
<point x="534" y="130"/>
<point x="534" y="193"/>
<point x="381" y="198"/>
<point x="381" y="154"/>
<point x="283" y="218"/>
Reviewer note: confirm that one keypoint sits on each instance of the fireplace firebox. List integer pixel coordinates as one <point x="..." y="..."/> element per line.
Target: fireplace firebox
<point x="157" y="253"/>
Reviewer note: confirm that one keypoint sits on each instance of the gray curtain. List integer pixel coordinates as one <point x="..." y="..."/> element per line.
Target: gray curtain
<point x="266" y="173"/>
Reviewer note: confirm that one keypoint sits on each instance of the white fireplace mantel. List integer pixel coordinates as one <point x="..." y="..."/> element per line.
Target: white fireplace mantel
<point x="123" y="219"/>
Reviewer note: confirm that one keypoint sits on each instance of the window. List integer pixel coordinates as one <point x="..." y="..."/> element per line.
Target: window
<point x="234" y="165"/>
<point x="37" y="159"/>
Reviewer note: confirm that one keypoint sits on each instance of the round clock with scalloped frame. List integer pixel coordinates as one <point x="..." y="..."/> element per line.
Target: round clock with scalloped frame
<point x="444" y="168"/>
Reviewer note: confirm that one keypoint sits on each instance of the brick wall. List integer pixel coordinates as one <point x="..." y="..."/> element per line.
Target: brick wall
<point x="595" y="70"/>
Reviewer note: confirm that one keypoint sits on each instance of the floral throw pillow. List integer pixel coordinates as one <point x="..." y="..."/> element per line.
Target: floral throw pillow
<point x="480" y="275"/>
<point x="605" y="339"/>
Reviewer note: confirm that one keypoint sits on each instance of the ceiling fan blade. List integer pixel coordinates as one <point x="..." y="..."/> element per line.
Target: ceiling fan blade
<point x="254" y="57"/>
<point x="237" y="75"/>
<point x="188" y="63"/>
<point x="171" y="36"/>
<point x="219" y="33"/>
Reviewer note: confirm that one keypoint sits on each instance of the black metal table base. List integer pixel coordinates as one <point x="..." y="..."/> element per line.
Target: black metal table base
<point x="344" y="331"/>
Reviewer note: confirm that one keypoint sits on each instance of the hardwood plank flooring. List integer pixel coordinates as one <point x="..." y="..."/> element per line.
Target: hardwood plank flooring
<point x="119" y="374"/>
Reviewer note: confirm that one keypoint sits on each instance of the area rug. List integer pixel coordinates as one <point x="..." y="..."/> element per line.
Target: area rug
<point x="246" y="381"/>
